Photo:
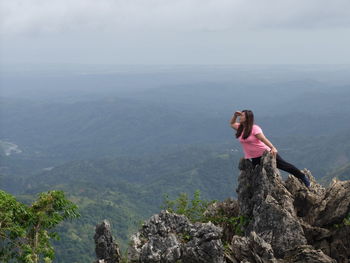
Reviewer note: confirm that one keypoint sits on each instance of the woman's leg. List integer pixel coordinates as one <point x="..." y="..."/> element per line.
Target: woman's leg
<point x="290" y="168"/>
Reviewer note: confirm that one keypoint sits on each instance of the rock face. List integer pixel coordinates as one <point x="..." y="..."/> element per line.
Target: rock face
<point x="285" y="222"/>
<point x="250" y="249"/>
<point x="226" y="209"/>
<point x="299" y="223"/>
<point x="322" y="212"/>
<point x="107" y="251"/>
<point x="263" y="198"/>
<point x="168" y="237"/>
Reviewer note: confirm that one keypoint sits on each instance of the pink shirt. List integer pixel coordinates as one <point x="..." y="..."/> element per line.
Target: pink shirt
<point x="252" y="146"/>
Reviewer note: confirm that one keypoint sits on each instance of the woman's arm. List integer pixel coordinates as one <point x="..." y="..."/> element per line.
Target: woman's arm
<point x="233" y="122"/>
<point x="262" y="138"/>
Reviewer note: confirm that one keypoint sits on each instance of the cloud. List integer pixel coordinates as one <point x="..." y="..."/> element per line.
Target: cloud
<point x="23" y="17"/>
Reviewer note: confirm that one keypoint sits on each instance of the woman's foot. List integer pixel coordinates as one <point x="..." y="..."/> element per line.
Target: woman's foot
<point x="305" y="180"/>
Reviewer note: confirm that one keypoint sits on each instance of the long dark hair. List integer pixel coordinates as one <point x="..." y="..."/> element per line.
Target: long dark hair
<point x="247" y="126"/>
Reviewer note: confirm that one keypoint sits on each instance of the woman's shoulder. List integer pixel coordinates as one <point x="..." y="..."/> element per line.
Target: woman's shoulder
<point x="256" y="128"/>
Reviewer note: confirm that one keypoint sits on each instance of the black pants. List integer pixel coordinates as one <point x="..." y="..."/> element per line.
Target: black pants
<point x="283" y="165"/>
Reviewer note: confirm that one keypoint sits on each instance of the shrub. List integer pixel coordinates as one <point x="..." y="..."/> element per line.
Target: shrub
<point x="194" y="210"/>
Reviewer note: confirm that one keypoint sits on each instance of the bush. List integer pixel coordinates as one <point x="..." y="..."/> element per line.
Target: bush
<point x="195" y="209"/>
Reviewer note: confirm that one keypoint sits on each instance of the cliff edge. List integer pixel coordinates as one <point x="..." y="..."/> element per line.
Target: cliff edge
<point x="280" y="222"/>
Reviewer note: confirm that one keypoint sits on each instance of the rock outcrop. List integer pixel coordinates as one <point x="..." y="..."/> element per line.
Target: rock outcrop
<point x="284" y="222"/>
<point x="168" y="237"/>
<point x="263" y="198"/>
<point x="250" y="249"/>
<point x="301" y="224"/>
<point x="224" y="210"/>
<point x="107" y="251"/>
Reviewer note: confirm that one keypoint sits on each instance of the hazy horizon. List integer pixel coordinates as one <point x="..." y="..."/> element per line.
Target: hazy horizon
<point x="175" y="32"/>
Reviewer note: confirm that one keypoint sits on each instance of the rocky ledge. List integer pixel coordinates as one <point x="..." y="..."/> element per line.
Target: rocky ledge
<point x="283" y="222"/>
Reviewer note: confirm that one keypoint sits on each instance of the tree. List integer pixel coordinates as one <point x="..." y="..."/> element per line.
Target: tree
<point x="26" y="231"/>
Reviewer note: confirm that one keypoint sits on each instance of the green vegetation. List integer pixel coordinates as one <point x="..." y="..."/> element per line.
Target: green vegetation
<point x="126" y="190"/>
<point x="345" y="222"/>
<point x="238" y="223"/>
<point x="26" y="231"/>
<point x="195" y="209"/>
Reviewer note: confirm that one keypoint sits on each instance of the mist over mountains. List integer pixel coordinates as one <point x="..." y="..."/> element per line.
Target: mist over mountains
<point x="58" y="115"/>
<point x="117" y="139"/>
<point x="131" y="110"/>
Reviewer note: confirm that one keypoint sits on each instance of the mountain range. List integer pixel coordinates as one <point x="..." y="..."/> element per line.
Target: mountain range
<point x="117" y="143"/>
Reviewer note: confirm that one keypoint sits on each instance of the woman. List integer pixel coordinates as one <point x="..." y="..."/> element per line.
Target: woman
<point x="254" y="144"/>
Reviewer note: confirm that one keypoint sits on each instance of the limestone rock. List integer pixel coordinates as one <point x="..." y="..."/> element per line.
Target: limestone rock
<point x="319" y="206"/>
<point x="337" y="204"/>
<point x="297" y="222"/>
<point x="168" y="237"/>
<point x="251" y="249"/>
<point x="321" y="210"/>
<point x="286" y="223"/>
<point x="269" y="205"/>
<point x="222" y="210"/>
<point x="307" y="202"/>
<point x="107" y="251"/>
<point x="307" y="254"/>
<point x="340" y="244"/>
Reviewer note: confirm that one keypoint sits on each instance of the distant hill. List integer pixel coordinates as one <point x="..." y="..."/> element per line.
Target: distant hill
<point x="191" y="168"/>
<point x="96" y="129"/>
<point x="341" y="173"/>
<point x="154" y="118"/>
<point x="128" y="190"/>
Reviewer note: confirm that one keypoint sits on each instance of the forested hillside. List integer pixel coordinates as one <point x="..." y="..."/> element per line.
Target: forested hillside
<point x="125" y="191"/>
<point x="116" y="150"/>
<point x="340" y="173"/>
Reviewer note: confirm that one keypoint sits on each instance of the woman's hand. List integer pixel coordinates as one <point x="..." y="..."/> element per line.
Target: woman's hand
<point x="238" y="113"/>
<point x="235" y="125"/>
<point x="262" y="138"/>
<point x="273" y="151"/>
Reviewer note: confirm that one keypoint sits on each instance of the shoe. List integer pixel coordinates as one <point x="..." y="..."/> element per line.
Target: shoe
<point x="306" y="181"/>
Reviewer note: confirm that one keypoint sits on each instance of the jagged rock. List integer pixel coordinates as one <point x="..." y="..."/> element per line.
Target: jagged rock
<point x="269" y="205"/>
<point x="107" y="251"/>
<point x="224" y="210"/>
<point x="321" y="209"/>
<point x="287" y="223"/>
<point x="319" y="206"/>
<point x="307" y="202"/>
<point x="340" y="244"/>
<point x="337" y="204"/>
<point x="307" y="254"/>
<point x="251" y="249"/>
<point x="168" y="237"/>
<point x="298" y="222"/>
<point x="316" y="235"/>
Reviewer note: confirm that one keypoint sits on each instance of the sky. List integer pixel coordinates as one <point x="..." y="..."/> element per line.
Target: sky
<point x="152" y="32"/>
